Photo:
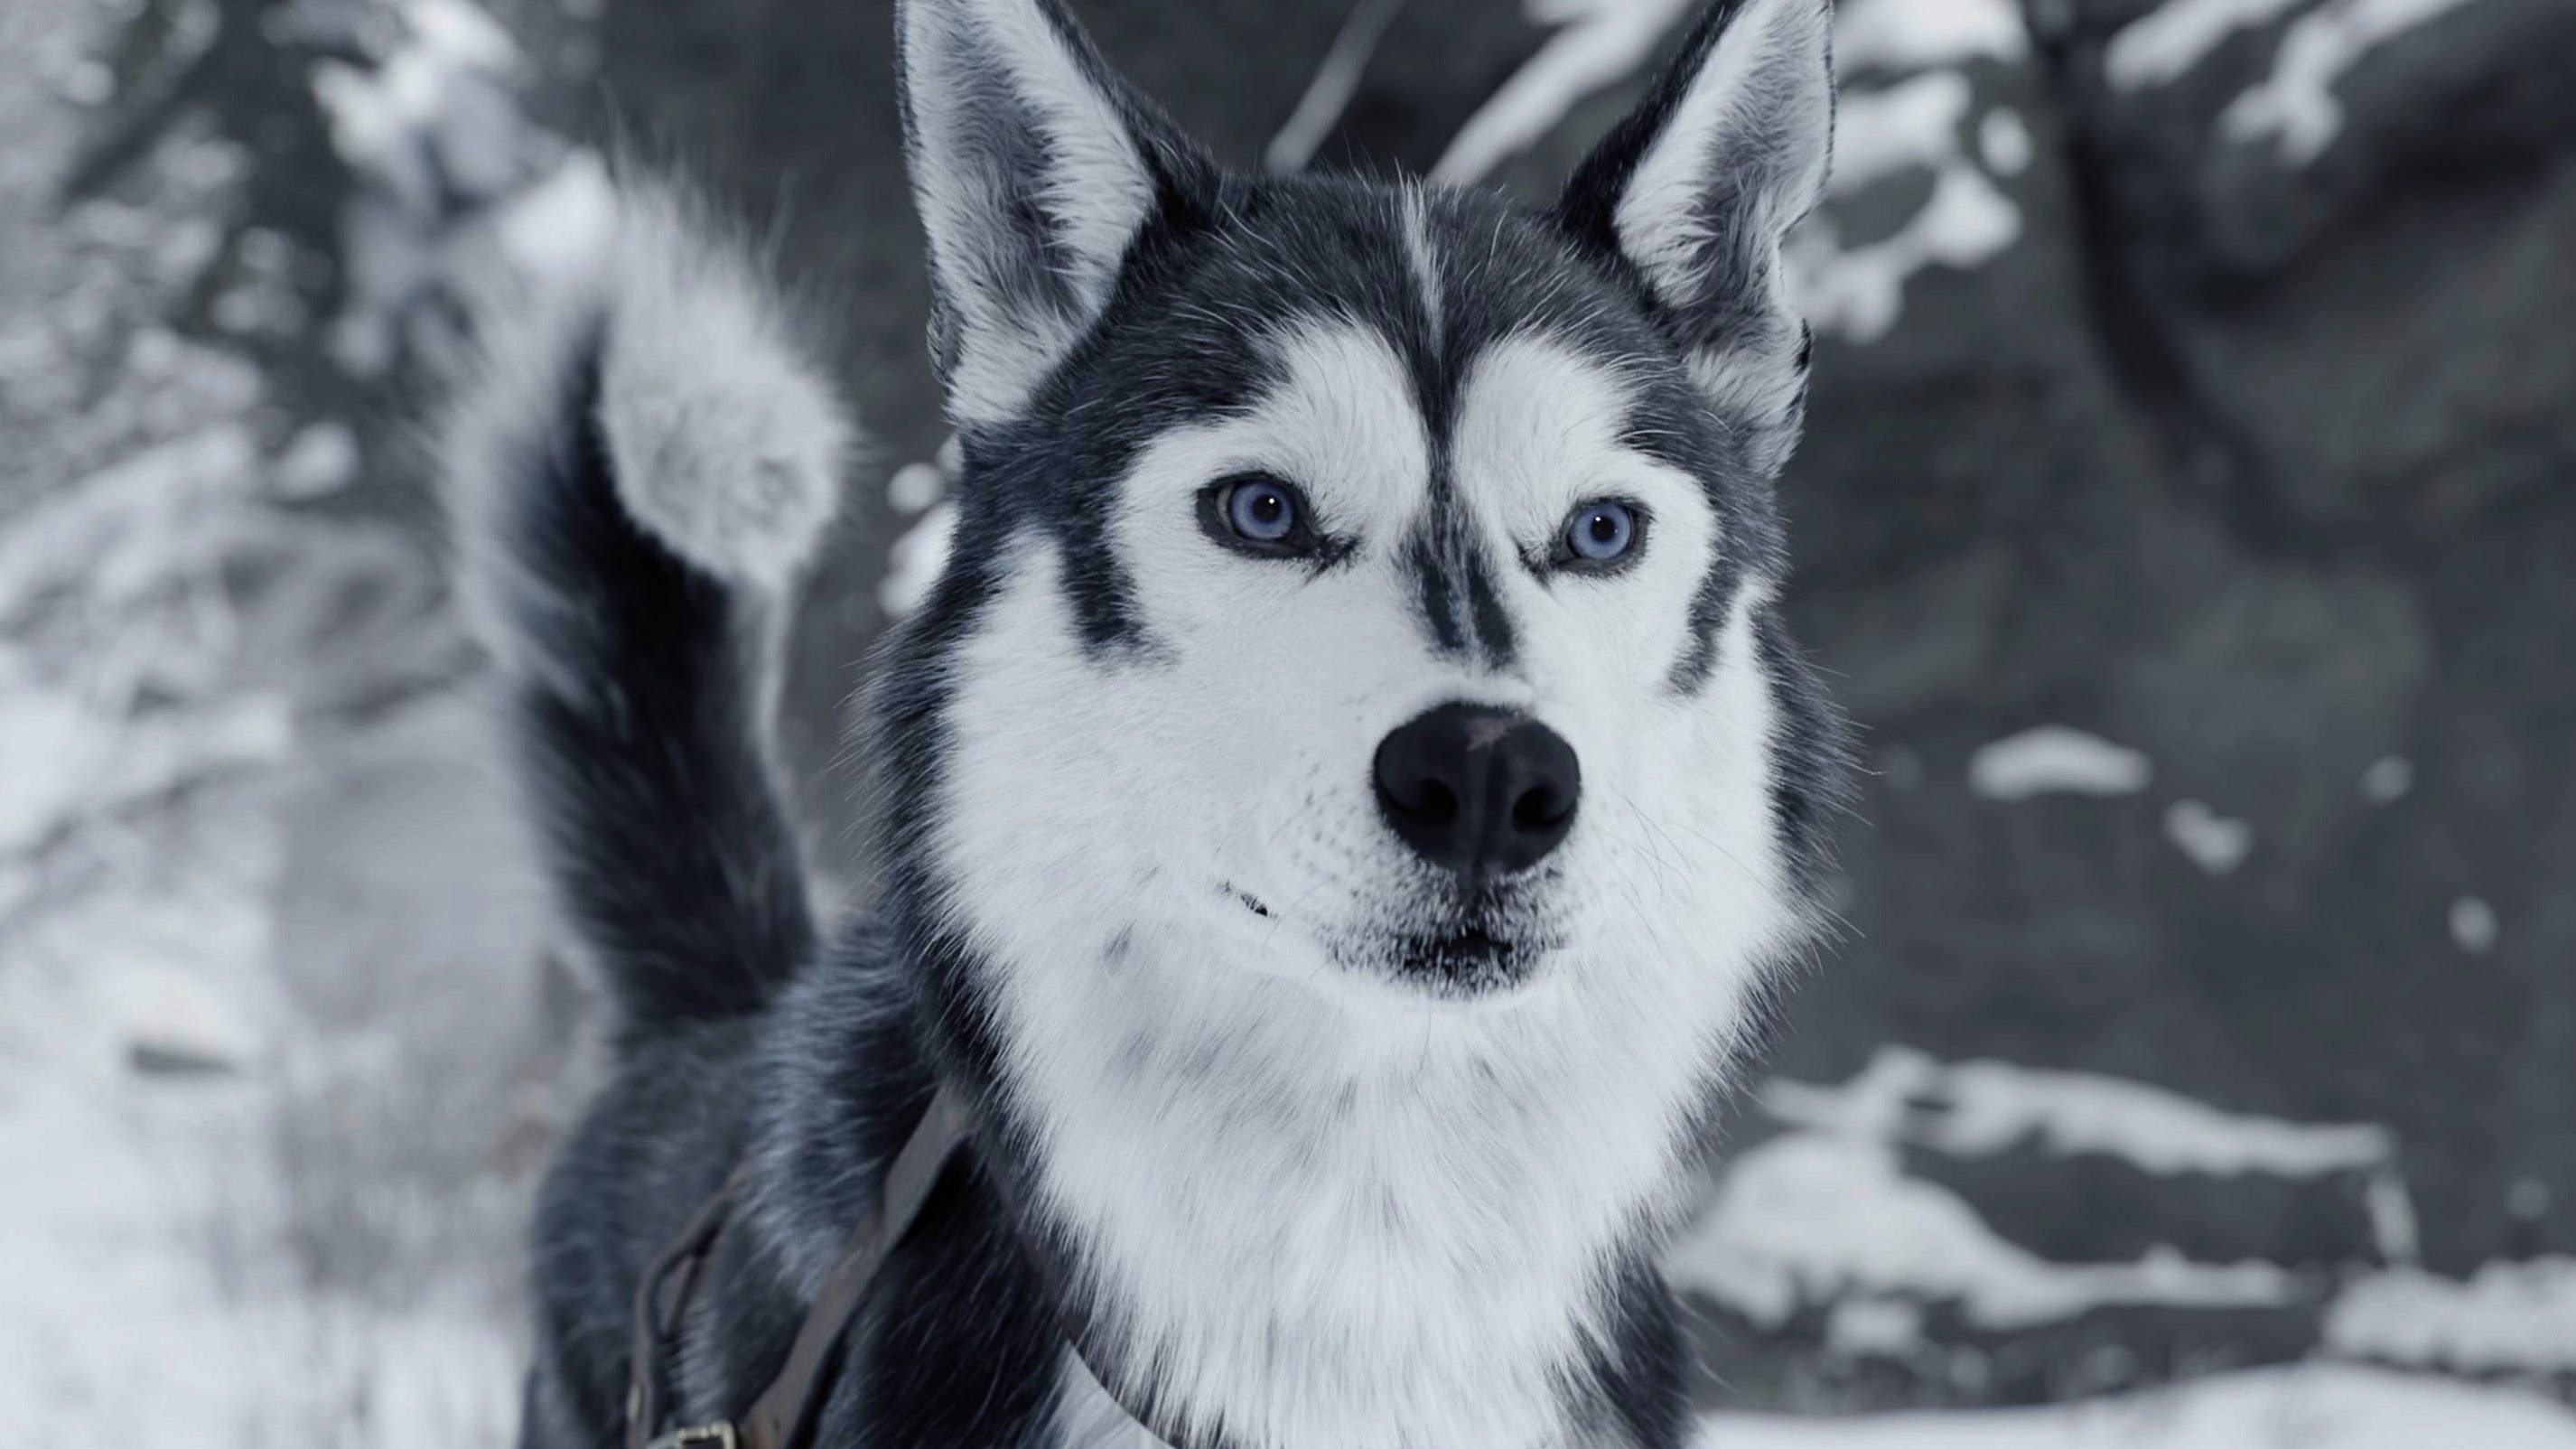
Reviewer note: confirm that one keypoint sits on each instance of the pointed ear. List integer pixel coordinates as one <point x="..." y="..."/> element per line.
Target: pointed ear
<point x="1034" y="168"/>
<point x="1693" y="191"/>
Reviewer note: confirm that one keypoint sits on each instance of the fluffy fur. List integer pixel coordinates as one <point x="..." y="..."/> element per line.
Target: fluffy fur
<point x="1261" y="1164"/>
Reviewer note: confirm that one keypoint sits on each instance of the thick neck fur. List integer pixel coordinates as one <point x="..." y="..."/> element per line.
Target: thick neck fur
<point x="1288" y="1225"/>
<point x="1306" y="1222"/>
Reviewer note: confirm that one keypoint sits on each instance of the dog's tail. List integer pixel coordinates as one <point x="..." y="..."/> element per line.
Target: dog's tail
<point x="640" y="473"/>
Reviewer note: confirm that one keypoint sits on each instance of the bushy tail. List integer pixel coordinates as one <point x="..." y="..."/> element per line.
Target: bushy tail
<point x="641" y="472"/>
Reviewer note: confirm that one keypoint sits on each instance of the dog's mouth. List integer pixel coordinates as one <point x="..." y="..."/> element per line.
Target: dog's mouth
<point x="1467" y="961"/>
<point x="1470" y="947"/>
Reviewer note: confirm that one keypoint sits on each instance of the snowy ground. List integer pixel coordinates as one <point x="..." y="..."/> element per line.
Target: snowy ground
<point x="277" y="1056"/>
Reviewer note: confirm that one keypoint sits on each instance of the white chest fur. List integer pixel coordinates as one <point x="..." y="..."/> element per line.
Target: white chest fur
<point x="1321" y="1234"/>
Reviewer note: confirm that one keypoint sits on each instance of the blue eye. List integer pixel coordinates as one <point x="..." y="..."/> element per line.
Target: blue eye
<point x="1601" y="532"/>
<point x="1261" y="511"/>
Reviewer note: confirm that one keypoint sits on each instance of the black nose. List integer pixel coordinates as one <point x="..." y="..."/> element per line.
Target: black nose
<point x="1481" y="793"/>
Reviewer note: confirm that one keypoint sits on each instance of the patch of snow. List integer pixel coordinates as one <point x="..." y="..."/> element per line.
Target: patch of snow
<point x="2474" y="927"/>
<point x="2057" y="760"/>
<point x="1858" y="293"/>
<point x="2295" y="107"/>
<point x="160" y="1278"/>
<point x="452" y="173"/>
<point x="2168" y="41"/>
<point x="1913" y="123"/>
<point x="1874" y="1328"/>
<point x="1601" y="43"/>
<point x="413" y="121"/>
<point x="1978" y="1108"/>
<point x="1910" y="35"/>
<point x="560" y="227"/>
<point x="57" y="749"/>
<point x="2306" y="1406"/>
<point x="1916" y="123"/>
<point x="165" y="749"/>
<point x="2003" y="142"/>
<point x="321" y="459"/>
<point x="2388" y="780"/>
<point x="1329" y="94"/>
<point x="2506" y="1318"/>
<point x="2393" y="1229"/>
<point x="2213" y="842"/>
<point x="1809" y="1218"/>
<point x="86" y="83"/>
<point x="2527" y="1199"/>
<point x="915" y="561"/>
<point x="142" y="518"/>
<point x="915" y="486"/>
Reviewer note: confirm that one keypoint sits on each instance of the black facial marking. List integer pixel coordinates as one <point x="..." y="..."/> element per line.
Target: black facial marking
<point x="1435" y="593"/>
<point x="1455" y="591"/>
<point x="1493" y="621"/>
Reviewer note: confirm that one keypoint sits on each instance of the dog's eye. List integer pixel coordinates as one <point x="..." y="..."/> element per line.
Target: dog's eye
<point x="1261" y="512"/>
<point x="1601" y="534"/>
<point x="1258" y="514"/>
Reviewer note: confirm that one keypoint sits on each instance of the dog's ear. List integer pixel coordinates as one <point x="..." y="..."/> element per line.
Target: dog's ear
<point x="1035" y="168"/>
<point x="1691" y="194"/>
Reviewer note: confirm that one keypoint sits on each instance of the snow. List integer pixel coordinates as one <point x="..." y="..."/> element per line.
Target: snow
<point x="421" y="89"/>
<point x="2474" y="927"/>
<point x="915" y="561"/>
<point x="1910" y="35"/>
<point x="1601" y="43"/>
<point x="1874" y="1328"/>
<point x="2307" y="1406"/>
<point x="2057" y="760"/>
<point x="2212" y="841"/>
<point x="321" y="459"/>
<point x="57" y="751"/>
<point x="1977" y="1108"/>
<point x="253" y="1226"/>
<point x="1808" y="1218"/>
<point x="2295" y="107"/>
<point x="1913" y="124"/>
<point x="2164" y="44"/>
<point x="562" y="225"/>
<point x="2003" y="141"/>
<point x="913" y="564"/>
<point x="1858" y="293"/>
<point x="914" y="487"/>
<point x="2388" y="780"/>
<point x="2506" y="1318"/>
<point x="449" y="168"/>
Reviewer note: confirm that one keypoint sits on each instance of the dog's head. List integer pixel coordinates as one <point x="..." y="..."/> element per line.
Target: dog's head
<point x="1366" y="584"/>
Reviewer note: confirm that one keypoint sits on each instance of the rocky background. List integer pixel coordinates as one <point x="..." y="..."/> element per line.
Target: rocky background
<point x="2185" y="512"/>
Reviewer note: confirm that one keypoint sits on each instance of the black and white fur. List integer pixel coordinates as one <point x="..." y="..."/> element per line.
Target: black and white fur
<point x="1242" y="1155"/>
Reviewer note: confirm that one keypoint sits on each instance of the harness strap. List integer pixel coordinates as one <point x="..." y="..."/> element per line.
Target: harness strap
<point x="784" y="1413"/>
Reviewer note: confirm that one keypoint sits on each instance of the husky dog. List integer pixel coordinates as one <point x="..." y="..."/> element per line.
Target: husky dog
<point x="1343" y="802"/>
